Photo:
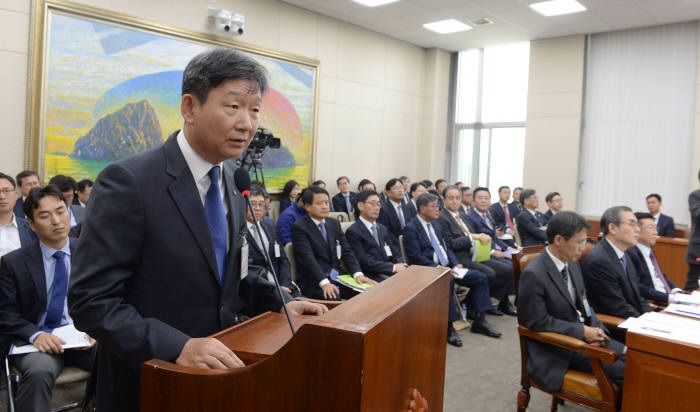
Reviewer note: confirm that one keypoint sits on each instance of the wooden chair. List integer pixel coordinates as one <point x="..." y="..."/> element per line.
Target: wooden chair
<point x="403" y="250"/>
<point x="345" y="225"/>
<point x="341" y="216"/>
<point x="516" y="234"/>
<point x="289" y="251"/>
<point x="595" y="391"/>
<point x="274" y="211"/>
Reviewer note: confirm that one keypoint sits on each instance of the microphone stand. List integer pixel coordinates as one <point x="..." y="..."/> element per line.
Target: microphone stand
<point x="246" y="195"/>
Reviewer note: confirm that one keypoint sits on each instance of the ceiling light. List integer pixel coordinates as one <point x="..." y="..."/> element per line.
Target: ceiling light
<point x="557" y="7"/>
<point x="374" y="3"/>
<point x="447" y="26"/>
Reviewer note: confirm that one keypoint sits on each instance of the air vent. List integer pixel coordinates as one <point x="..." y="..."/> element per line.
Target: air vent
<point x="480" y="22"/>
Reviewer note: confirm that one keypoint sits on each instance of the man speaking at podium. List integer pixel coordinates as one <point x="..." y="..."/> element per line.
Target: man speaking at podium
<point x="160" y="264"/>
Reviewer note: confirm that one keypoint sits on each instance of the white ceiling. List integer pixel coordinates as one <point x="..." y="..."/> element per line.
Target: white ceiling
<point x="513" y="19"/>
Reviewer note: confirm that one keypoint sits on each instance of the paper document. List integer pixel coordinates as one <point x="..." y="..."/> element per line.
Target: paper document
<point x="68" y="333"/>
<point x="685" y="310"/>
<point x="665" y="326"/>
<point x="692" y="299"/>
<point x="350" y="282"/>
<point x="460" y="272"/>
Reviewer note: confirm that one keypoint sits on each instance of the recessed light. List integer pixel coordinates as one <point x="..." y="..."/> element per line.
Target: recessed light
<point x="557" y="7"/>
<point x="447" y="26"/>
<point x="374" y="3"/>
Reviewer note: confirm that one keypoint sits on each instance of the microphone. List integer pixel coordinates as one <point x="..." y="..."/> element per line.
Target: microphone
<point x="242" y="181"/>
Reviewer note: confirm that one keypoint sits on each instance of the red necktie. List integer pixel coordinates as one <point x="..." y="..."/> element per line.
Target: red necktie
<point x="510" y="222"/>
<point x="659" y="274"/>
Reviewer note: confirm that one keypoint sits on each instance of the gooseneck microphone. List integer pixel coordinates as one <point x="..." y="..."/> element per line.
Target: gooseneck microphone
<point x="242" y="181"/>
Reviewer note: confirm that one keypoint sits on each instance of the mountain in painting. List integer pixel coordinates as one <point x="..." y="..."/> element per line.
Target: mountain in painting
<point x="129" y="130"/>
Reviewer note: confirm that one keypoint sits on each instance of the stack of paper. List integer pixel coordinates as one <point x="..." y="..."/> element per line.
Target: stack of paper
<point x="665" y="326"/>
<point x="692" y="299"/>
<point x="68" y="333"/>
<point x="692" y="311"/>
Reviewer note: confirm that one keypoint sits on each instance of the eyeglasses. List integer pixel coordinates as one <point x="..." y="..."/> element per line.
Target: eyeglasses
<point x="373" y="204"/>
<point x="7" y="190"/>
<point x="258" y="205"/>
<point x="632" y="223"/>
<point x="649" y="227"/>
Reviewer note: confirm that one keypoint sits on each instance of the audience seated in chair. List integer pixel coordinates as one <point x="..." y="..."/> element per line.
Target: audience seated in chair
<point x="482" y="222"/>
<point x="460" y="238"/>
<point x="289" y="194"/>
<point x="375" y="247"/>
<point x="515" y="206"/>
<point x="391" y="215"/>
<point x="554" y="203"/>
<point x="14" y="231"/>
<point x="409" y="209"/>
<point x="440" y="186"/>
<point x="530" y="222"/>
<point x="287" y="218"/>
<point x="33" y="285"/>
<point x="366" y="184"/>
<point x="83" y="193"/>
<point x="651" y="281"/>
<point x="467" y="199"/>
<point x="26" y="181"/>
<point x="406" y="182"/>
<point x="345" y="200"/>
<point x="67" y="186"/>
<point x="552" y="298"/>
<point x="664" y="223"/>
<point x="320" y="247"/>
<point x="425" y="245"/>
<point x="500" y="211"/>
<point x="611" y="280"/>
<point x="270" y="241"/>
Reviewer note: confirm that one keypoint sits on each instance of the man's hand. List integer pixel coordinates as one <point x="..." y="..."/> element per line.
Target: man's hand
<point x="365" y="279"/>
<point x="594" y="336"/>
<point x="301" y="307"/>
<point x="49" y="343"/>
<point x="208" y="353"/>
<point x="399" y="267"/>
<point x="498" y="254"/>
<point x="330" y="291"/>
<point x="89" y="339"/>
<point x="482" y="237"/>
<point x="286" y="289"/>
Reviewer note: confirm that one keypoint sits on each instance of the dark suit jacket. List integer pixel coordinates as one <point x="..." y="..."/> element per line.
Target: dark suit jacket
<point x="693" y="251"/>
<point x="419" y="250"/>
<point x="529" y="229"/>
<point x="547" y="215"/>
<point x="612" y="291"/>
<point x="371" y="256"/>
<point x="285" y="203"/>
<point x="498" y="216"/>
<point x="644" y="282"/>
<point x="390" y="219"/>
<point x="283" y="269"/>
<point x="514" y="209"/>
<point x="22" y="293"/>
<point x="545" y="305"/>
<point x="409" y="211"/>
<point x="339" y="202"/>
<point x="144" y="278"/>
<point x="78" y="213"/>
<point x="18" y="208"/>
<point x="26" y="234"/>
<point x="666" y="227"/>
<point x="479" y="226"/>
<point x="315" y="258"/>
<point x="460" y="243"/>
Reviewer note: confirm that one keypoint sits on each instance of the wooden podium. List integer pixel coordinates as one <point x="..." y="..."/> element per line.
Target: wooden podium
<point x="383" y="350"/>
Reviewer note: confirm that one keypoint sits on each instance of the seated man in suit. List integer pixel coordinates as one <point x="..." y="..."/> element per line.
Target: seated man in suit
<point x="26" y="181"/>
<point x="345" y="200"/>
<point x="67" y="186"/>
<point x="319" y="183"/>
<point x="499" y="210"/>
<point x="467" y="199"/>
<point x="555" y="203"/>
<point x="482" y="222"/>
<point x="610" y="278"/>
<point x="552" y="298"/>
<point x="33" y="285"/>
<point x="406" y="182"/>
<point x="664" y="223"/>
<point x="409" y="209"/>
<point x="14" y="231"/>
<point x="515" y="206"/>
<point x="287" y="218"/>
<point x="319" y="249"/>
<point x="651" y="281"/>
<point x="440" y="186"/>
<point x="366" y="184"/>
<point x="461" y="240"/>
<point x="375" y="247"/>
<point x="425" y="245"/>
<point x="391" y="214"/>
<point x="270" y="241"/>
<point x="530" y="224"/>
<point x="84" y="190"/>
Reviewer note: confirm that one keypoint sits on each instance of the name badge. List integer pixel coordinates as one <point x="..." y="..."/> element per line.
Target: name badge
<point x="338" y="249"/>
<point x="244" y="259"/>
<point x="588" y="308"/>
<point x="277" y="249"/>
<point x="387" y="250"/>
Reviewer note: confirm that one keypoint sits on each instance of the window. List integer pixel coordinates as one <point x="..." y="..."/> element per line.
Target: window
<point x="491" y="102"/>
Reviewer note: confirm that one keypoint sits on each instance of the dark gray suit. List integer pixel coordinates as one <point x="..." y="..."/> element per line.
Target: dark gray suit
<point x="144" y="278"/>
<point x="692" y="255"/>
<point x="545" y="305"/>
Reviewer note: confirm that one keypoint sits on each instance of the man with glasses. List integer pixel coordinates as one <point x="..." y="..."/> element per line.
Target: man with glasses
<point x="530" y="222"/>
<point x="391" y="214"/>
<point x="610" y="277"/>
<point x="26" y="181"/>
<point x="269" y="240"/>
<point x="553" y="298"/>
<point x="375" y="247"/>
<point x="14" y="230"/>
<point x="651" y="281"/>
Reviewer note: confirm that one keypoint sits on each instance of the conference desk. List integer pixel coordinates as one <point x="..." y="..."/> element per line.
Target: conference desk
<point x="661" y="375"/>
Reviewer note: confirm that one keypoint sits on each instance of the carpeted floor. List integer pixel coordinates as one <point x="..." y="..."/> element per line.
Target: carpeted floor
<point x="481" y="376"/>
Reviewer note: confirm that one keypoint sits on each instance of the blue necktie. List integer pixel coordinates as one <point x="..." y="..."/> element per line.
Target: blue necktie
<point x="401" y="219"/>
<point x="322" y="226"/>
<point x="436" y="246"/>
<point x="374" y="234"/>
<point x="348" y="205"/>
<point x="54" y="314"/>
<point x="216" y="217"/>
<point x="623" y="260"/>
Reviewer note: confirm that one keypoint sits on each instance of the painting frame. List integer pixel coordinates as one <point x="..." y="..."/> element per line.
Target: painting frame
<point x="36" y="118"/>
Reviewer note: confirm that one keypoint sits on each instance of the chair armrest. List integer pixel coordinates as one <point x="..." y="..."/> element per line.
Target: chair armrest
<point x="610" y="321"/>
<point x="330" y="304"/>
<point x="605" y="355"/>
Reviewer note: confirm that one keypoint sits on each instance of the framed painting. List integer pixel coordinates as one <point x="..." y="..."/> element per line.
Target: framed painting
<point x="106" y="86"/>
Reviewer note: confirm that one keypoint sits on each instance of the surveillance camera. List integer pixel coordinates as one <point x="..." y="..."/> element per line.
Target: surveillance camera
<point x="227" y="22"/>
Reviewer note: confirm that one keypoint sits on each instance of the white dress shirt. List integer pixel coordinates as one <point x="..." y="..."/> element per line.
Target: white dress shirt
<point x="9" y="237"/>
<point x="560" y="266"/>
<point x="655" y="280"/>
<point x="265" y="245"/>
